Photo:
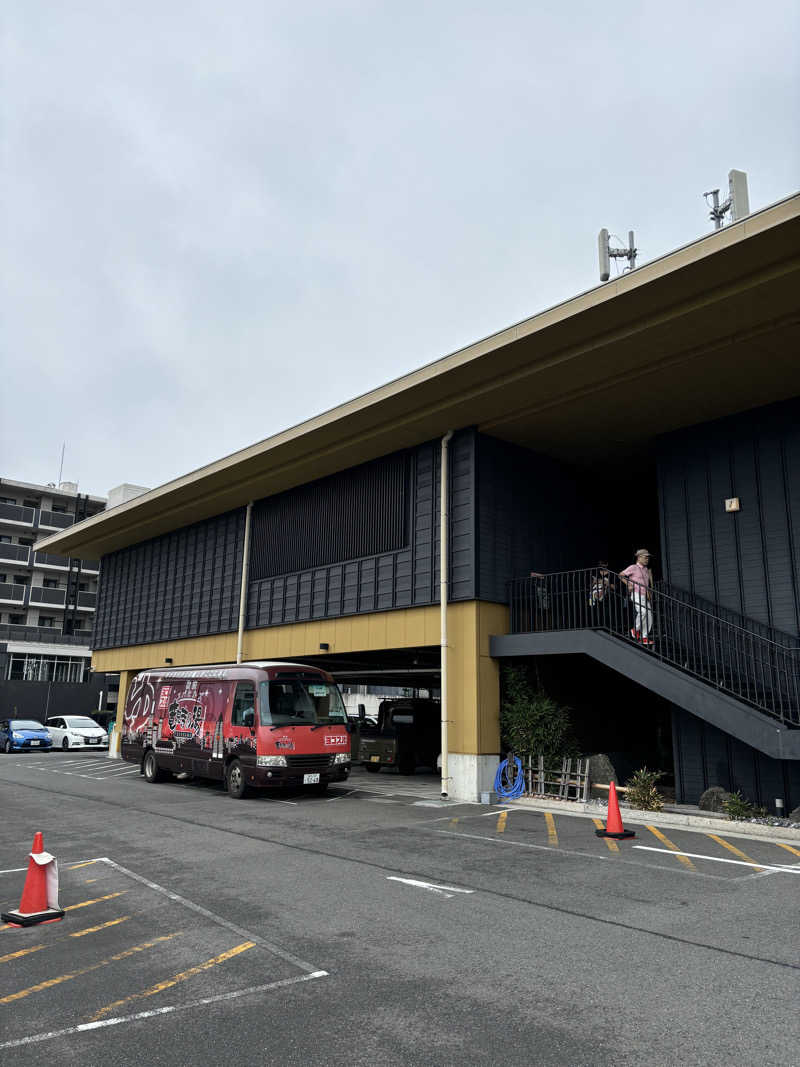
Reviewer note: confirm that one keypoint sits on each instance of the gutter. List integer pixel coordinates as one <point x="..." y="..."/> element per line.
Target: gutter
<point x="243" y="587"/>
<point x="444" y="574"/>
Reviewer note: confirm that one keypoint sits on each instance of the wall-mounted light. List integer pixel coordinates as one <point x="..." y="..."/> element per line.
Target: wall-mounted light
<point x="733" y="504"/>
<point x="324" y="646"/>
<point x="168" y="659"/>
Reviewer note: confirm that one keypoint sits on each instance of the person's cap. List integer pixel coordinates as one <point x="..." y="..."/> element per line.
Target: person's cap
<point x="642" y="551"/>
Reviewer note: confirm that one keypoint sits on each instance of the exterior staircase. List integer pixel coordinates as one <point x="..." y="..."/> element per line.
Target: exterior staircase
<point x="732" y="671"/>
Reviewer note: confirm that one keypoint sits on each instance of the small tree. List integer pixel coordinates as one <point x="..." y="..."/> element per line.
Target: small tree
<point x="531" y="722"/>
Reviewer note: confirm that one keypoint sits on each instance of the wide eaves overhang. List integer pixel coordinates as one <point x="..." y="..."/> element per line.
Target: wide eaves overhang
<point x="708" y="330"/>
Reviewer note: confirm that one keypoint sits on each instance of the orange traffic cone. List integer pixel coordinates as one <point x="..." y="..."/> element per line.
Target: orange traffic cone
<point x="614" y="827"/>
<point x="39" y="902"/>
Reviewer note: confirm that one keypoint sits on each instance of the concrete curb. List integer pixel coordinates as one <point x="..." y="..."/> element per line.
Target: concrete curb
<point x="665" y="819"/>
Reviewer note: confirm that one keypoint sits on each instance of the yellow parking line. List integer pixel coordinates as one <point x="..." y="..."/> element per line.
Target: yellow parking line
<point x="102" y="926"/>
<point x="501" y="822"/>
<point x="97" y="900"/>
<point x="552" y="833"/>
<point x="77" y="866"/>
<point x="612" y="844"/>
<point x="788" y="848"/>
<point x="732" y="848"/>
<point x="176" y="978"/>
<point x="22" y="952"/>
<point x="671" y="845"/>
<point x="48" y="983"/>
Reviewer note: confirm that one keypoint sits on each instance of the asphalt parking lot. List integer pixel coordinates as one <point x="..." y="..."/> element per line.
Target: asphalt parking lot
<point x="379" y="922"/>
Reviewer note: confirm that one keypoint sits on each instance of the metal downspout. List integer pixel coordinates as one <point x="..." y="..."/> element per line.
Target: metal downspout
<point x="243" y="589"/>
<point x="444" y="569"/>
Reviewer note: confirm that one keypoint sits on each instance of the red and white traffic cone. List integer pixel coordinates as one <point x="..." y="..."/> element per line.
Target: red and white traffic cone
<point x="39" y="902"/>
<point x="614" y="827"/>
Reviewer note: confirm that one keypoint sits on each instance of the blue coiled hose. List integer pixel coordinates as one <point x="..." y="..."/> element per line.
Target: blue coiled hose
<point x="506" y="786"/>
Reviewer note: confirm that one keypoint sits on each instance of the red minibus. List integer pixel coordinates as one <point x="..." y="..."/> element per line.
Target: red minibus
<point x="255" y="725"/>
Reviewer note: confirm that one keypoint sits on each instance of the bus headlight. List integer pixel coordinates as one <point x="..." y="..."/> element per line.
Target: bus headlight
<point x="271" y="761"/>
<point x="341" y="757"/>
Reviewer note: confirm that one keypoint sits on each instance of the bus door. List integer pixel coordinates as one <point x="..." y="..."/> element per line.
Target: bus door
<point x="241" y="731"/>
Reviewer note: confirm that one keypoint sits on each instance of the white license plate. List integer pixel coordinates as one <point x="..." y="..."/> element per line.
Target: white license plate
<point x="36" y="742"/>
<point x="94" y="740"/>
<point x="310" y="779"/>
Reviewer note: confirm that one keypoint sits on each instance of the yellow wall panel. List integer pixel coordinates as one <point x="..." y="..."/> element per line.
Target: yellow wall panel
<point x="474" y="689"/>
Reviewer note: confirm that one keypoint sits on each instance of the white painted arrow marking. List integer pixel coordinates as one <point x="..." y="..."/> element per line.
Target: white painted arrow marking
<point x="441" y="890"/>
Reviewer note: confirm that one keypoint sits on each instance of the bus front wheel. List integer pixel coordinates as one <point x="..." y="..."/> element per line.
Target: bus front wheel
<point x="237" y="787"/>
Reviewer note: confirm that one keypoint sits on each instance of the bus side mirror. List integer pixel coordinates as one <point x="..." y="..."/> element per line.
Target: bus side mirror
<point x="362" y="712"/>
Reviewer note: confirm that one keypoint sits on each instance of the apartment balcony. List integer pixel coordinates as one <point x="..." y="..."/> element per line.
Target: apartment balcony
<point x="47" y="635"/>
<point x="50" y="562"/>
<point x="12" y="594"/>
<point x="55" y="520"/>
<point x="16" y="515"/>
<point x="51" y="597"/>
<point x="90" y="566"/>
<point x="19" y="554"/>
<point x="86" y="601"/>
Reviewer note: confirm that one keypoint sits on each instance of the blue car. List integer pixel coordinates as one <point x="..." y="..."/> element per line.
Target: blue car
<point x="24" y="735"/>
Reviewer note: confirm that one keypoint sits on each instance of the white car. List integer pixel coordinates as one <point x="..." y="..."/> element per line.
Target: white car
<point x="76" y="731"/>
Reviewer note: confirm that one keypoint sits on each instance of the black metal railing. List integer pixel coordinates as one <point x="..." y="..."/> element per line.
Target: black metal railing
<point x="733" y="658"/>
<point x="15" y="553"/>
<point x="737" y="618"/>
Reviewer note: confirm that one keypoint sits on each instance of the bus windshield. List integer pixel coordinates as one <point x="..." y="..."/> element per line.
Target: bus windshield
<point x="295" y="701"/>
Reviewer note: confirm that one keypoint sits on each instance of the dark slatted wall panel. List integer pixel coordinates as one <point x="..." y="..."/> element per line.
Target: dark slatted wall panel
<point x="184" y="584"/>
<point x="533" y="515"/>
<point x="405" y="576"/>
<point x="706" y="756"/>
<point x="748" y="561"/>
<point x="359" y="512"/>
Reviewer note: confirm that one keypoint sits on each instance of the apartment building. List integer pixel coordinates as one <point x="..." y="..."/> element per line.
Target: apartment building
<point x="48" y="601"/>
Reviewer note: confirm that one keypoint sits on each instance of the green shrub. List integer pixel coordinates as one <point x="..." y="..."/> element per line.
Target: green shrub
<point x="531" y="722"/>
<point x="738" y="807"/>
<point x="642" y="792"/>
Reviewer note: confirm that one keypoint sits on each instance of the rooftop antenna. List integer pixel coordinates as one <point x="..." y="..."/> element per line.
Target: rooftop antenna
<point x="607" y="253"/>
<point x="61" y="465"/>
<point x="738" y="202"/>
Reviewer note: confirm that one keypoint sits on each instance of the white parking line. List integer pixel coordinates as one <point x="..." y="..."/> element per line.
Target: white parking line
<point x="83" y="1027"/>
<point x="719" y="859"/>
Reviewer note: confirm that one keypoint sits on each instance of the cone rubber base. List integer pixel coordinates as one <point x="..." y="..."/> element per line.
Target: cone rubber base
<point x="618" y="835"/>
<point x="17" y="918"/>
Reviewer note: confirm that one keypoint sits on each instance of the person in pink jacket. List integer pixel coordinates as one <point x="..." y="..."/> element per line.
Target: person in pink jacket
<point x="639" y="580"/>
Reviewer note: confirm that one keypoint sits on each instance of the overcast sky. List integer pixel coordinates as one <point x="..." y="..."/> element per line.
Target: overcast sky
<point x="220" y="219"/>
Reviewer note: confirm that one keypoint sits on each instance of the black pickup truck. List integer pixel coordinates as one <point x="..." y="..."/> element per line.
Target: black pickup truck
<point x="408" y="734"/>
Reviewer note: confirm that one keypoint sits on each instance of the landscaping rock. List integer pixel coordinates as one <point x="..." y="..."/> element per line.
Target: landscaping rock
<point x="601" y="769"/>
<point x="713" y="799"/>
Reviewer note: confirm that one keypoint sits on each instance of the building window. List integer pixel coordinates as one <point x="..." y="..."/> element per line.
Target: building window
<point x="16" y="620"/>
<point x="5" y="539"/>
<point x="50" y="583"/>
<point x="26" y="541"/>
<point x="47" y="620"/>
<point x="22" y="579"/>
<point x="32" y="668"/>
<point x="3" y="579"/>
<point x="30" y="502"/>
<point x="7" y="500"/>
